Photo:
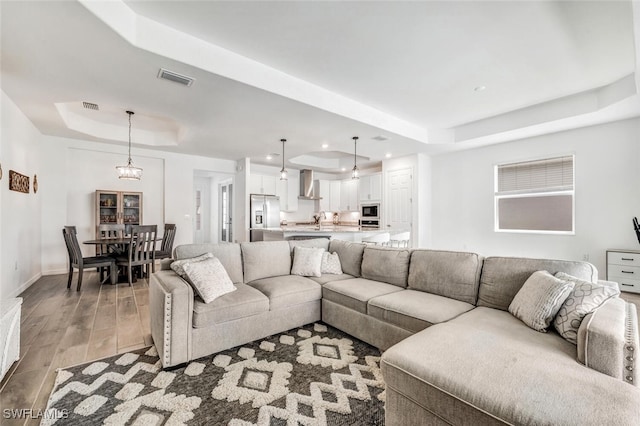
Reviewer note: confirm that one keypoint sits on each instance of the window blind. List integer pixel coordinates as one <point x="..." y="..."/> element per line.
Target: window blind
<point x="552" y="174"/>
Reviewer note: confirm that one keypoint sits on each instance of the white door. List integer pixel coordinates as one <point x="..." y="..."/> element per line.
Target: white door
<point x="202" y="210"/>
<point x="399" y="209"/>
<point x="226" y="220"/>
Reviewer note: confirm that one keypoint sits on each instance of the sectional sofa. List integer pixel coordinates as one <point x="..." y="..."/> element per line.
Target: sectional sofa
<point x="453" y="354"/>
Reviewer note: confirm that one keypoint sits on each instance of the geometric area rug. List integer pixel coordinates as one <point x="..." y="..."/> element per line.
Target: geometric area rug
<point x="312" y="375"/>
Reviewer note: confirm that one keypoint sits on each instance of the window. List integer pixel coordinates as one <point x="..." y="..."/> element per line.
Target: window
<point x="535" y="196"/>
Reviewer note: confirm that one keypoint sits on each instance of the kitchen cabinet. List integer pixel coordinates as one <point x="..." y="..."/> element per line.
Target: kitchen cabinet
<point x="288" y="190"/>
<point x="118" y="207"/>
<point x="349" y="195"/>
<point x="330" y="193"/>
<point x="262" y="184"/>
<point x="371" y="187"/>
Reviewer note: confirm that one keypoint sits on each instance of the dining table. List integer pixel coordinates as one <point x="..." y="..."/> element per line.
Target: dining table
<point x="118" y="247"/>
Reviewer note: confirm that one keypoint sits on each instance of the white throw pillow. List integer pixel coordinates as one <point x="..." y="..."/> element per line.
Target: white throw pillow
<point x="540" y="299"/>
<point x="209" y="279"/>
<point x="177" y="266"/>
<point x="585" y="298"/>
<point x="307" y="261"/>
<point x="331" y="263"/>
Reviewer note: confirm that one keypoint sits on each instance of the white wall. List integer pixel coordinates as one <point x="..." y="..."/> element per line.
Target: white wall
<point x="607" y="170"/>
<point x="76" y="168"/>
<point x="20" y="213"/>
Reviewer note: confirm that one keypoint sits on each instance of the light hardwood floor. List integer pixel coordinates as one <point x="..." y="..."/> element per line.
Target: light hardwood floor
<point x="60" y="328"/>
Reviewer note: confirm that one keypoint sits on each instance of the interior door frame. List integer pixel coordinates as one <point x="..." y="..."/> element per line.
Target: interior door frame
<point x="386" y="197"/>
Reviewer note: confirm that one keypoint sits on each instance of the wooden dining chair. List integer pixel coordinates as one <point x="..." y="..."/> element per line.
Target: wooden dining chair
<point x="141" y="250"/>
<point x="167" y="241"/>
<point x="76" y="260"/>
<point x="110" y="230"/>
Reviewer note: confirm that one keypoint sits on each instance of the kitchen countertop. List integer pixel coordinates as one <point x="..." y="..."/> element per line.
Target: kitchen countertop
<point x="323" y="229"/>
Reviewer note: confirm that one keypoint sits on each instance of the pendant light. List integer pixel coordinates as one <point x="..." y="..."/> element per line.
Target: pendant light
<point x="354" y="171"/>
<point x="283" y="172"/>
<point x="129" y="172"/>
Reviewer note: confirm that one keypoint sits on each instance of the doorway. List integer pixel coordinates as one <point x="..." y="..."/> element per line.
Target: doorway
<point x="399" y="204"/>
<point x="212" y="208"/>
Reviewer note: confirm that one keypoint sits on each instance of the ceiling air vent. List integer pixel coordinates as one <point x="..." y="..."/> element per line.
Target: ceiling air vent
<point x="380" y="138"/>
<point x="89" y="105"/>
<point x="175" y="77"/>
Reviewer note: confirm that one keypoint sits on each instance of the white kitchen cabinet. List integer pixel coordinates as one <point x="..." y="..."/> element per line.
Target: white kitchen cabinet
<point x="262" y="184"/>
<point x="329" y="190"/>
<point x="334" y="204"/>
<point x="287" y="190"/>
<point x="349" y="195"/>
<point x="371" y="187"/>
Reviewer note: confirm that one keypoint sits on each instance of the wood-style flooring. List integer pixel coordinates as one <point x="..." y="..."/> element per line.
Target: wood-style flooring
<point x="61" y="327"/>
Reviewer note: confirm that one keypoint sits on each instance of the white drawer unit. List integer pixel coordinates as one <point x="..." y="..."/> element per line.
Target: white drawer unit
<point x="623" y="267"/>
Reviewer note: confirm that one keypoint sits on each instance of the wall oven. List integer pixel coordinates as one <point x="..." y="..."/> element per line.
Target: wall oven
<point x="370" y="211"/>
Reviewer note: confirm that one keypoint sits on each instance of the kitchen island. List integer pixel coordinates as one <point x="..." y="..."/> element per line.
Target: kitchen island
<point x="335" y="232"/>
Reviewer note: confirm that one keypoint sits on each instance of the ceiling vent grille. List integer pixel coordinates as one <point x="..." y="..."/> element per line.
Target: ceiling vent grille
<point x="380" y="138"/>
<point x="89" y="105"/>
<point x="175" y="77"/>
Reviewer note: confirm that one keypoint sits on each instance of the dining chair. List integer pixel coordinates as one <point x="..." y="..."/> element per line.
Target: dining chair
<point x="109" y="230"/>
<point x="167" y="241"/>
<point x="76" y="260"/>
<point x="141" y="250"/>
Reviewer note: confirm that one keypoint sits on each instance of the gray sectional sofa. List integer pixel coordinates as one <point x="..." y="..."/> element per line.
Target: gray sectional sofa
<point x="453" y="354"/>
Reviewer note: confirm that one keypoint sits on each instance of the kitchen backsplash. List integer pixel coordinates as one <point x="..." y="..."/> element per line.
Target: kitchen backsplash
<point x="306" y="210"/>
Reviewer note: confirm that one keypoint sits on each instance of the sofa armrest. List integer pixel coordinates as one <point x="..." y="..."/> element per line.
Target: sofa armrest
<point x="171" y="312"/>
<point x="608" y="340"/>
<point x="165" y="264"/>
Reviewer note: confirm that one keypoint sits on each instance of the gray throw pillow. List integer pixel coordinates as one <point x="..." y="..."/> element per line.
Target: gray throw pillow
<point x="540" y="299"/>
<point x="331" y="263"/>
<point x="177" y="266"/>
<point x="209" y="279"/>
<point x="585" y="298"/>
<point x="307" y="262"/>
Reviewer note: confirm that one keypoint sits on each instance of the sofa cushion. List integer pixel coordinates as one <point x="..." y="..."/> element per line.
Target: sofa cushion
<point x="350" y="255"/>
<point x="540" y="299"/>
<point x="244" y="302"/>
<point x="307" y="261"/>
<point x="327" y="278"/>
<point x="312" y="242"/>
<point x="486" y="366"/>
<point x="389" y="265"/>
<point x="415" y="310"/>
<point x="228" y="254"/>
<point x="585" y="298"/>
<point x="178" y="265"/>
<point x="264" y="259"/>
<point x="447" y="273"/>
<point x="356" y="292"/>
<point x="209" y="279"/>
<point x="331" y="263"/>
<point x="288" y="290"/>
<point x="502" y="277"/>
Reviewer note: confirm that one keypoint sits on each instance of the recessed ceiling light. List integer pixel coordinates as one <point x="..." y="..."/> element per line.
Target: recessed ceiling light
<point x="479" y="88"/>
<point x="269" y="157"/>
<point x="388" y="155"/>
<point x="344" y="169"/>
<point x="325" y="145"/>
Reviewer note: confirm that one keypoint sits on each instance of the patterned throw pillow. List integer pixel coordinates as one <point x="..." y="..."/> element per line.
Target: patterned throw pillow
<point x="307" y="262"/>
<point x="331" y="263"/>
<point x="540" y="299"/>
<point x="585" y="298"/>
<point x="209" y="279"/>
<point x="177" y="266"/>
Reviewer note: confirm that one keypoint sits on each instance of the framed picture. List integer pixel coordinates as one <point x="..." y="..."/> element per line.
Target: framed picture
<point x="18" y="182"/>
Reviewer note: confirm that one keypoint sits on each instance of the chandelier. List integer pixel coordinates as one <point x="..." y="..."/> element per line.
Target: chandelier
<point x="129" y="172"/>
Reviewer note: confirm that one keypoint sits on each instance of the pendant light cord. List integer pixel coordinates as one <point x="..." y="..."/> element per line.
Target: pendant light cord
<point x="130" y="114"/>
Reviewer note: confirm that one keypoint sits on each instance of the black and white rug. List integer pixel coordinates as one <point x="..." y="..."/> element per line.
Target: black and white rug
<point x="314" y="375"/>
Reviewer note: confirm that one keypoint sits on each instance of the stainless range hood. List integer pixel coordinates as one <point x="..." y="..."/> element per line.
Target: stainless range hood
<point x="308" y="189"/>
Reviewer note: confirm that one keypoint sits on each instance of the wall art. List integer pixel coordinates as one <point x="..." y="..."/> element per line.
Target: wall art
<point x="35" y="183"/>
<point x="18" y="182"/>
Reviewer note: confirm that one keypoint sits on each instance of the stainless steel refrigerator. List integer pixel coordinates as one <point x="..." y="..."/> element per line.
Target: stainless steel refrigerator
<point x="265" y="213"/>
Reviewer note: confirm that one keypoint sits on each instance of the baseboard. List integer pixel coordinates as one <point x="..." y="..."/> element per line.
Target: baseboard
<point x="26" y="285"/>
<point x="55" y="272"/>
